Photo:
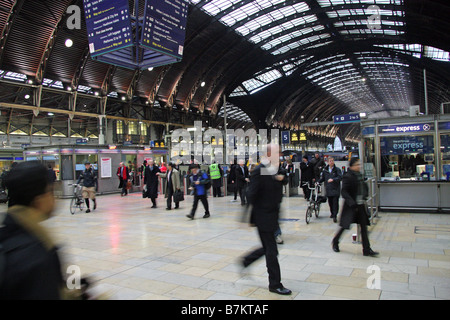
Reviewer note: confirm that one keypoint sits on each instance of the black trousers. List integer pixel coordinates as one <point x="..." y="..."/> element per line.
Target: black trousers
<point x="169" y="198"/>
<point x="364" y="237"/>
<point x="204" y="201"/>
<point x="333" y="202"/>
<point x="217" y="192"/>
<point x="124" y="186"/>
<point x="270" y="250"/>
<point x="242" y="194"/>
<point x="306" y="190"/>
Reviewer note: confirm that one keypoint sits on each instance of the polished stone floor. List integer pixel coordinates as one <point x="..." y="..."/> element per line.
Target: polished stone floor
<point x="135" y="252"/>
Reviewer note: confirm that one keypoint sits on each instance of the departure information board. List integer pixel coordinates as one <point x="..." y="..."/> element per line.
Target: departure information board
<point x="165" y="26"/>
<point x="108" y="25"/>
<point x="347" y="118"/>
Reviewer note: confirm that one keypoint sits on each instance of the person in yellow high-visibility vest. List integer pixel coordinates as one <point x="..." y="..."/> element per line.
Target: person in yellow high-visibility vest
<point x="216" y="173"/>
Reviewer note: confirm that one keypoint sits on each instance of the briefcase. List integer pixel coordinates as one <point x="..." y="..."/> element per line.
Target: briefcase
<point x="178" y="196"/>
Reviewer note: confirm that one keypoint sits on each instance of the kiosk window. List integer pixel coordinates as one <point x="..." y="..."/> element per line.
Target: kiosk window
<point x="445" y="155"/>
<point x="407" y="157"/>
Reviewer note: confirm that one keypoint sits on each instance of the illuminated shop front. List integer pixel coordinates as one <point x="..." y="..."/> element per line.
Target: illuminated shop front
<point x="410" y="158"/>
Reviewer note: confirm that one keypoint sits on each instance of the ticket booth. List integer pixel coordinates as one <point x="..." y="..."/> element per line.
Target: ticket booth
<point x="410" y="159"/>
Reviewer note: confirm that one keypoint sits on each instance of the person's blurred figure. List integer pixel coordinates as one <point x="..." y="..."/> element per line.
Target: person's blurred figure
<point x="265" y="194"/>
<point x="355" y="192"/>
<point x="51" y="174"/>
<point x="31" y="267"/>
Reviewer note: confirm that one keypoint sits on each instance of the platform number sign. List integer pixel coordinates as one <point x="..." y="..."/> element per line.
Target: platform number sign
<point x="285" y="137"/>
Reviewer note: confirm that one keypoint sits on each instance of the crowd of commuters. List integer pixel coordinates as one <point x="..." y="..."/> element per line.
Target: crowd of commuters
<point x="260" y="188"/>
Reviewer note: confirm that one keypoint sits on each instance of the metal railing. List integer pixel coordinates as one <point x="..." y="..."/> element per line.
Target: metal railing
<point x="372" y="205"/>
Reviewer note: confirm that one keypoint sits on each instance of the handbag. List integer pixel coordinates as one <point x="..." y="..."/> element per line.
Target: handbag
<point x="178" y="196"/>
<point x="128" y="185"/>
<point x="144" y="192"/>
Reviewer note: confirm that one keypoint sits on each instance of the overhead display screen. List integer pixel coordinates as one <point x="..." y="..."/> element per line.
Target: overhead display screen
<point x="165" y="26"/>
<point x="108" y="25"/>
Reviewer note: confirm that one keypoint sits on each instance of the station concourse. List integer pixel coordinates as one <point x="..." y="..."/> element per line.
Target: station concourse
<point x="130" y="88"/>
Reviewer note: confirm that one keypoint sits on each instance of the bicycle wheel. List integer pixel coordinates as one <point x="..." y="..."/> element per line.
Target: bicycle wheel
<point x="81" y="204"/>
<point x="308" y="215"/>
<point x="73" y="205"/>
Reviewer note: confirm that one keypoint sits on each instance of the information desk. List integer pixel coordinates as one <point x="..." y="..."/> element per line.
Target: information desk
<point x="410" y="159"/>
<point x="414" y="195"/>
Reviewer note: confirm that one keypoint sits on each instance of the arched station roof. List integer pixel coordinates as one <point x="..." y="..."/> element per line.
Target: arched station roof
<point x="280" y="61"/>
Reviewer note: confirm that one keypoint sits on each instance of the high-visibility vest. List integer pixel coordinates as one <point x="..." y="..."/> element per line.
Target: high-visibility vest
<point x="214" y="171"/>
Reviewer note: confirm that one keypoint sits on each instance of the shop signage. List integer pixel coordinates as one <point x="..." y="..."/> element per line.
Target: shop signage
<point x="444" y="125"/>
<point x="406" y="128"/>
<point x="406" y="145"/>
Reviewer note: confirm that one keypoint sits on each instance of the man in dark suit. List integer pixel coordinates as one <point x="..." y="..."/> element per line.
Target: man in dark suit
<point x="354" y="191"/>
<point x="265" y="193"/>
<point x="151" y="180"/>
<point x="307" y="176"/>
<point x="242" y="178"/>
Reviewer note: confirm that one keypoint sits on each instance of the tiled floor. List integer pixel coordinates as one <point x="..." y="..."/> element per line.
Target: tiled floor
<point x="135" y="252"/>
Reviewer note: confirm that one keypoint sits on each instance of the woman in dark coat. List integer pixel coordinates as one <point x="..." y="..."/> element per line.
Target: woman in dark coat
<point x="151" y="181"/>
<point x="354" y="191"/>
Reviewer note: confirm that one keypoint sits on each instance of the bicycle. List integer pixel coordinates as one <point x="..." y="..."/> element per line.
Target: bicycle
<point x="314" y="202"/>
<point x="77" y="201"/>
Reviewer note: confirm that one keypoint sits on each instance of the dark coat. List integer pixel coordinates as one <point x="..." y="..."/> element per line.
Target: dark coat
<point x="307" y="171"/>
<point x="89" y="178"/>
<point x="265" y="193"/>
<point x="232" y="174"/>
<point x="333" y="188"/>
<point x="240" y="177"/>
<point x="152" y="181"/>
<point x="351" y="211"/>
<point x="318" y="165"/>
<point x="29" y="271"/>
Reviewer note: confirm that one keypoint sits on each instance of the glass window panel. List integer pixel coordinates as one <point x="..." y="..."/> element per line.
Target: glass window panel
<point x="132" y="127"/>
<point x="445" y="155"/>
<point x="407" y="156"/>
<point x="119" y="127"/>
